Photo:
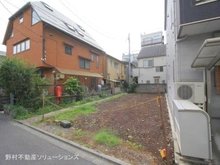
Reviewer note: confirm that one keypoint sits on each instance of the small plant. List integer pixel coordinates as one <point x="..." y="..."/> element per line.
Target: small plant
<point x="109" y="139"/>
<point x="131" y="87"/>
<point x="134" y="145"/>
<point x="103" y="95"/>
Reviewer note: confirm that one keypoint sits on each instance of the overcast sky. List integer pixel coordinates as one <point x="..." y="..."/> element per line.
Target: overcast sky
<point x="108" y="21"/>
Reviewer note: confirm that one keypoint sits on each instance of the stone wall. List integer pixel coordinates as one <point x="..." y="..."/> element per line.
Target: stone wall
<point x="150" y="88"/>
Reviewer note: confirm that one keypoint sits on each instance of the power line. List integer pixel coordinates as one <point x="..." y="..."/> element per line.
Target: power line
<point x="87" y="23"/>
<point x="15" y="18"/>
<point x="90" y="21"/>
<point x="35" y="17"/>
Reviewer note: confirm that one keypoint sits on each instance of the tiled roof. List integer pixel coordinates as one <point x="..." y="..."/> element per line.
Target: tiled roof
<point x="57" y="20"/>
<point x="152" y="51"/>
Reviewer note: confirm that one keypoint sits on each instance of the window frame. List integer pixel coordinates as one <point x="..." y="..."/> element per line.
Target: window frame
<point x="156" y="80"/>
<point x="85" y="61"/>
<point x="36" y="17"/>
<point x="115" y="65"/>
<point x="17" y="48"/>
<point x="159" y="68"/>
<point x="92" y="56"/>
<point x="97" y="61"/>
<point x="21" y="19"/>
<point x="70" y="48"/>
<point x="148" y="66"/>
<point x="11" y="34"/>
<point x="47" y="6"/>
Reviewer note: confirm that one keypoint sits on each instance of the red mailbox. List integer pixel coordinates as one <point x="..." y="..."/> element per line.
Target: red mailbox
<point x="58" y="91"/>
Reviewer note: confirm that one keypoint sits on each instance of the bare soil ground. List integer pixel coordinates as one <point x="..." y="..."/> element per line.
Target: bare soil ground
<point x="135" y="118"/>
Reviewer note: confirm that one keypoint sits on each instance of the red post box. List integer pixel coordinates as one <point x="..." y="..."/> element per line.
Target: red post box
<point x="58" y="91"/>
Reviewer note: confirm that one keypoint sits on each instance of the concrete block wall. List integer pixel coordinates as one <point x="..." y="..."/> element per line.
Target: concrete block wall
<point x="150" y="88"/>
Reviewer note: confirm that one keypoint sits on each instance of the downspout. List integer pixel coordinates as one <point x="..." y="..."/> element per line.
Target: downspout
<point x="44" y="58"/>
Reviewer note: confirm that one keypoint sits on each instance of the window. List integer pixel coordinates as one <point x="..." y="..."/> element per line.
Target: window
<point x="18" y="48"/>
<point x="97" y="61"/>
<point x="148" y="81"/>
<point x="156" y="80"/>
<point x="92" y="56"/>
<point x="148" y="63"/>
<point x="11" y="34"/>
<point x="159" y="69"/>
<point x="14" y="49"/>
<point x="84" y="63"/>
<point x="47" y="6"/>
<point x="70" y="27"/>
<point x="22" y="46"/>
<point x="68" y="49"/>
<point x="116" y="65"/>
<point x="35" y="17"/>
<point x="27" y="44"/>
<point x="21" y="19"/>
<point x="80" y="33"/>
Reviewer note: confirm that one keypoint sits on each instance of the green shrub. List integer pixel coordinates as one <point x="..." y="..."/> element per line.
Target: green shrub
<point x="131" y="87"/>
<point x="19" y="78"/>
<point x="73" y="87"/>
<point x="17" y="112"/>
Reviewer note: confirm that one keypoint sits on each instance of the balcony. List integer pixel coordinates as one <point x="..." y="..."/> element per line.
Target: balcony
<point x="198" y="17"/>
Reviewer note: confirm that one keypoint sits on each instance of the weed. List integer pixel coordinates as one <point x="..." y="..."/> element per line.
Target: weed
<point x="134" y="145"/>
<point x="108" y="139"/>
<point x="72" y="114"/>
<point x="79" y="133"/>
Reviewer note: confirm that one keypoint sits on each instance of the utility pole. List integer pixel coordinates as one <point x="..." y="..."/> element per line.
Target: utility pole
<point x="129" y="67"/>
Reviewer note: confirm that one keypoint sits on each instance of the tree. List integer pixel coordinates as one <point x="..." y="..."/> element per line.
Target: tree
<point x="73" y="87"/>
<point x="19" y="78"/>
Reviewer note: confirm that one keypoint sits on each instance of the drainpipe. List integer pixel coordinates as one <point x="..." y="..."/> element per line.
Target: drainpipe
<point x="44" y="58"/>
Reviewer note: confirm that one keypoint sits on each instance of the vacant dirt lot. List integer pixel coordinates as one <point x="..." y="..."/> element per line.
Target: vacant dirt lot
<point x="135" y="118"/>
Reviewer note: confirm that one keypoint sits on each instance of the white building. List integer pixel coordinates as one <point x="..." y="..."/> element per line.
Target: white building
<point x="152" y="38"/>
<point x="133" y="56"/>
<point x="151" y="65"/>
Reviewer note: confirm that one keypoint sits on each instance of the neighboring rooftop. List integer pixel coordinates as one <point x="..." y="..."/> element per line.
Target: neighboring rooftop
<point x="152" y="38"/>
<point x="152" y="51"/>
<point x="54" y="18"/>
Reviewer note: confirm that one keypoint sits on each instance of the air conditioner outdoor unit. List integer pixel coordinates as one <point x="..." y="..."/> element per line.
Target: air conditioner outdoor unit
<point x="192" y="91"/>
